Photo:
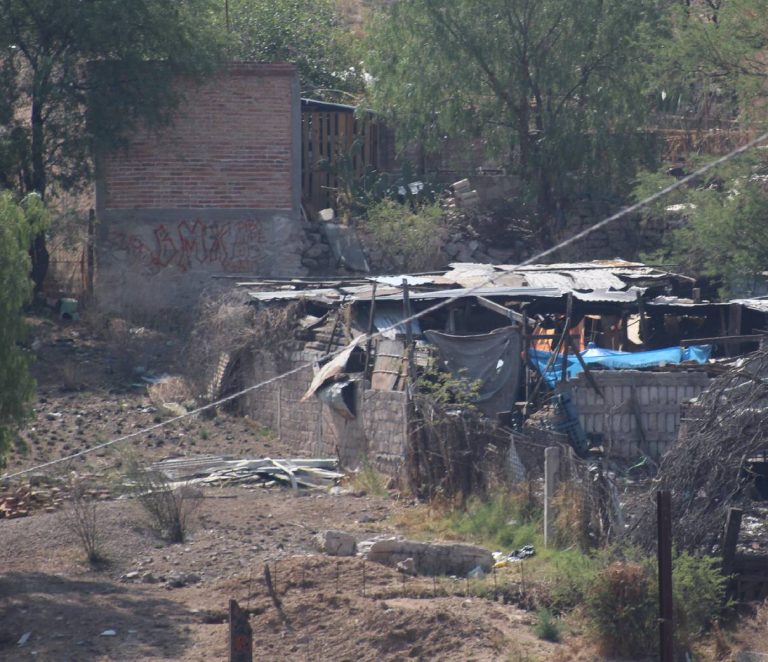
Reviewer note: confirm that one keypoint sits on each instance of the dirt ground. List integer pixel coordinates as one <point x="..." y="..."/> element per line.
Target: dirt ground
<point x="169" y="602"/>
<point x="154" y="601"/>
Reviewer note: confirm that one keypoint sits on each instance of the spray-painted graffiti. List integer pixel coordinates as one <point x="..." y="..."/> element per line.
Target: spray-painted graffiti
<point x="234" y="246"/>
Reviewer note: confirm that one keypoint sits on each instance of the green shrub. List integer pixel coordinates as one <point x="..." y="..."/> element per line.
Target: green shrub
<point x="546" y="626"/>
<point x="699" y="590"/>
<point x="507" y="520"/>
<point x="622" y="610"/>
<point x="570" y="575"/>
<point x="622" y="604"/>
<point x="407" y="239"/>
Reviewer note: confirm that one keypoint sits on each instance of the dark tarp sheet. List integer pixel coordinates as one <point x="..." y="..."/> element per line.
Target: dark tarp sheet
<point x="493" y="359"/>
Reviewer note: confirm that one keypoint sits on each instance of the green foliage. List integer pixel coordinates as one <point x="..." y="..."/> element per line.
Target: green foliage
<point x="699" y="589"/>
<point x="507" y="520"/>
<point x="312" y="35"/>
<point x="556" y="93"/>
<point x="447" y="390"/>
<point x="18" y="223"/>
<point x="724" y="233"/>
<point x="59" y="57"/>
<point x="408" y="239"/>
<point x="622" y="603"/>
<point x="547" y="627"/>
<point x="622" y="610"/>
<point x="712" y="60"/>
<point x="571" y="574"/>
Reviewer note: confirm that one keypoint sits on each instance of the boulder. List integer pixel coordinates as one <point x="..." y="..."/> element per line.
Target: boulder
<point x="336" y="543"/>
<point x="430" y="558"/>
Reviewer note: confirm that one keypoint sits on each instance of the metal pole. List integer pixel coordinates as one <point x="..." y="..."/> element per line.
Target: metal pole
<point x="666" y="624"/>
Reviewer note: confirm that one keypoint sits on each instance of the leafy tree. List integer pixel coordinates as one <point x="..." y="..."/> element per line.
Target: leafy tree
<point x="114" y="58"/>
<point x="556" y="89"/>
<point x="713" y="60"/>
<point x="312" y="35"/>
<point x="18" y="223"/>
<point x="723" y="233"/>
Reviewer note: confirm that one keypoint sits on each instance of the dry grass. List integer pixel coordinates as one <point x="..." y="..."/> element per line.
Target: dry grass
<point x="171" y="389"/>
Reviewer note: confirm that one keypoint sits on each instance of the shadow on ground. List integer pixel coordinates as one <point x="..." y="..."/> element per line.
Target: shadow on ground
<point x="66" y="618"/>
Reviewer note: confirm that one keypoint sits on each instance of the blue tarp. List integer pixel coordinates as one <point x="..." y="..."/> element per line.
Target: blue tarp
<point x="613" y="360"/>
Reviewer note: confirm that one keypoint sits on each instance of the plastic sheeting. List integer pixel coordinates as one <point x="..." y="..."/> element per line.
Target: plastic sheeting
<point x="492" y="359"/>
<point x="614" y="360"/>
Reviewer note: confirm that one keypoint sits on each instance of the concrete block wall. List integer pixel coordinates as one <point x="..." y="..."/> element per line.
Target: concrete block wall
<point x="658" y="397"/>
<point x="377" y="435"/>
<point x="217" y="191"/>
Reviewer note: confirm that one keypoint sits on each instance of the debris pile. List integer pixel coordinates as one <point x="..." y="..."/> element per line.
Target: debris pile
<point x="223" y="470"/>
<point x="711" y="467"/>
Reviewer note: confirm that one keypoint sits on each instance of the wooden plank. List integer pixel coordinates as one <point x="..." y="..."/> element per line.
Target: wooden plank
<point x="389" y="360"/>
<point x="498" y="308"/>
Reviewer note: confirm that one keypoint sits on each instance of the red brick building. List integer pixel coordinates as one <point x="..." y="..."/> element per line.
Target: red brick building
<point x="216" y="192"/>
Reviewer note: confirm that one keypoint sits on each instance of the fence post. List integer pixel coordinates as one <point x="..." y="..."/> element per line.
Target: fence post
<point x="666" y="625"/>
<point x="240" y="634"/>
<point x="551" y="468"/>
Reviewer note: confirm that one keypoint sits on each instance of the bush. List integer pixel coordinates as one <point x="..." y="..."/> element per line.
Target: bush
<point x="508" y="519"/>
<point x="622" y="610"/>
<point x="570" y="574"/>
<point x="546" y="626"/>
<point x="699" y="590"/>
<point x="408" y="240"/>
<point x="82" y="520"/>
<point x="622" y="604"/>
<point x="168" y="507"/>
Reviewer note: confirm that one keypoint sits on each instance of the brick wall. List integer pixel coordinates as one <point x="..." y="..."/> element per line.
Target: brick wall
<point x="215" y="192"/>
<point x="376" y="435"/>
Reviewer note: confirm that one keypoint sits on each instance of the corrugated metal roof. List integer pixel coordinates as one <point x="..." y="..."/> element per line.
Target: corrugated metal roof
<point x="509" y="292"/>
<point x="604" y="296"/>
<point x="760" y="305"/>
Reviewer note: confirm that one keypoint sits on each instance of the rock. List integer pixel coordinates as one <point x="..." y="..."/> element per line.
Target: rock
<point x="429" y="558"/>
<point x="336" y="543"/>
<point x="178" y="580"/>
<point x="108" y="633"/>
<point x="129" y="576"/>
<point x="407" y="567"/>
<point x="317" y="250"/>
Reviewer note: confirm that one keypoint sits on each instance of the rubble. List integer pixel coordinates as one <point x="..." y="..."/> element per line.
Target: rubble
<point x="336" y="543"/>
<point x="428" y="558"/>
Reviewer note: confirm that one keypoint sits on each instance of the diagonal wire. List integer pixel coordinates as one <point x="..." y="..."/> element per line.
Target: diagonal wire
<point x="442" y="303"/>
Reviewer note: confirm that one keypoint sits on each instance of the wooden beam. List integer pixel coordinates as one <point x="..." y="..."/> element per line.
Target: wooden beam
<point x="501" y="310"/>
<point x="755" y="337"/>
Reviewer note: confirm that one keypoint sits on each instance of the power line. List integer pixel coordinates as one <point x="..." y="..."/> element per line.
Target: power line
<point x="442" y="303"/>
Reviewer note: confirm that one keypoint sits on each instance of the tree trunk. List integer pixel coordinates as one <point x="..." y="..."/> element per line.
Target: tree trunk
<point x="38" y="252"/>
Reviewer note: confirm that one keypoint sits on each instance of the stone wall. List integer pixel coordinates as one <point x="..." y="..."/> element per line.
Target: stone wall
<point x="216" y="192"/>
<point x="641" y="410"/>
<point x="377" y="435"/>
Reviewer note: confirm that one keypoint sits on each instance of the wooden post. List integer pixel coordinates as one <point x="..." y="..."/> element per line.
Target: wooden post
<point x="730" y="538"/>
<point x="666" y="624"/>
<point x="240" y="634"/>
<point x="526" y="374"/>
<point x="280" y="411"/>
<point x="408" y="332"/>
<point x="567" y="335"/>
<point x="369" y="341"/>
<point x="551" y="468"/>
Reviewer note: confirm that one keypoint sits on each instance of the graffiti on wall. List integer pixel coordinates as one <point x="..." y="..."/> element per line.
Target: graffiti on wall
<point x="230" y="246"/>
